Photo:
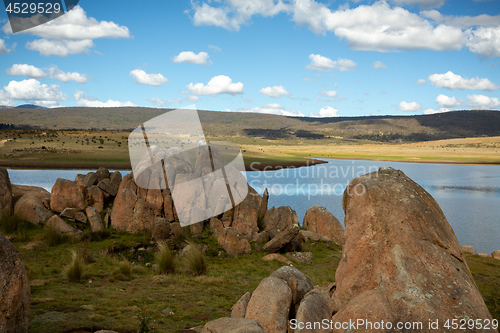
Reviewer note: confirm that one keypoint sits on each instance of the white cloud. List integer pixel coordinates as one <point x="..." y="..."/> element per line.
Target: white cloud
<point x="220" y="84"/>
<point x="4" y="99"/>
<point x="61" y="48"/>
<point x="451" y="80"/>
<point x="26" y="70"/>
<point x="274" y="91"/>
<point x="142" y="77"/>
<point x="87" y="101"/>
<point x="329" y="93"/>
<point x="3" y="47"/>
<point x="161" y="102"/>
<point x="410" y="107"/>
<point x="56" y="73"/>
<point x="378" y="27"/>
<point x="447" y="102"/>
<point x="71" y="33"/>
<point x="193" y="58"/>
<point x="432" y="111"/>
<point x="321" y="63"/>
<point x="484" y="41"/>
<point x="233" y="13"/>
<point x="214" y="47"/>
<point x="421" y="81"/>
<point x="422" y="3"/>
<point x="378" y="64"/>
<point x="192" y="99"/>
<point x="326" y="111"/>
<point x="32" y="90"/>
<point x="273" y="108"/>
<point x="482" y="20"/>
<point x="483" y="102"/>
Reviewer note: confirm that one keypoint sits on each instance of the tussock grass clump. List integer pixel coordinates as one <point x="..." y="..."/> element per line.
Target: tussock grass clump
<point x="13" y="224"/>
<point x="54" y="237"/>
<point x="194" y="260"/>
<point x="124" y="271"/>
<point x="74" y="270"/>
<point x="164" y="259"/>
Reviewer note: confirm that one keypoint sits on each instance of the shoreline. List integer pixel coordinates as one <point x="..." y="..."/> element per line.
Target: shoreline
<point x="411" y="160"/>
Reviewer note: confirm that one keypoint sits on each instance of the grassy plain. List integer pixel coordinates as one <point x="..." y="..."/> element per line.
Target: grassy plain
<point x="107" y="299"/>
<point x="92" y="149"/>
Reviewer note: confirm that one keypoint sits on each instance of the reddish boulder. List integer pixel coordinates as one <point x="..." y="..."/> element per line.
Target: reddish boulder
<point x="401" y="261"/>
<point x="314" y="309"/>
<point x="131" y="213"/>
<point x="299" y="283"/>
<point x="270" y="305"/>
<point x="102" y="173"/>
<point x="69" y="213"/>
<point x="216" y="226"/>
<point x="232" y="325"/>
<point x="95" y="219"/>
<point x="58" y="224"/>
<point x="278" y="219"/>
<point x="95" y="197"/>
<point x="90" y="179"/>
<point x="107" y="186"/>
<point x="31" y="208"/>
<point x="67" y="193"/>
<point x="161" y="230"/>
<point x="15" y="290"/>
<point x="278" y="257"/>
<point x="239" y="308"/>
<point x="282" y="239"/>
<point x="321" y="221"/>
<point x="263" y="205"/>
<point x="5" y="193"/>
<point x="467" y="249"/>
<point x="246" y="215"/>
<point x="116" y="179"/>
<point x="496" y="254"/>
<point x="233" y="242"/>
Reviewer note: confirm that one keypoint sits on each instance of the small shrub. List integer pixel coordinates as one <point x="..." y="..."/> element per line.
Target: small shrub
<point x="54" y="237"/>
<point x="74" y="270"/>
<point x="124" y="271"/>
<point x="195" y="260"/>
<point x="144" y="320"/>
<point x="164" y="259"/>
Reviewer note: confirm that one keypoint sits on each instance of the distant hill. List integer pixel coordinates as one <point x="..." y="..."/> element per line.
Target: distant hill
<point x="30" y="106"/>
<point x="250" y="126"/>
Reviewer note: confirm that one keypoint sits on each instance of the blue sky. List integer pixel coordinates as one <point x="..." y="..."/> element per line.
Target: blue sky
<point x="299" y="57"/>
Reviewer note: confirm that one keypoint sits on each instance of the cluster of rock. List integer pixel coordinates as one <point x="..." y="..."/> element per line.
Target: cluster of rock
<point x="286" y="295"/>
<point x="470" y="250"/>
<point x="401" y="263"/>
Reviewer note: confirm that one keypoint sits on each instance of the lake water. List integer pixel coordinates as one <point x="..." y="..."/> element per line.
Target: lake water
<point x="469" y="195"/>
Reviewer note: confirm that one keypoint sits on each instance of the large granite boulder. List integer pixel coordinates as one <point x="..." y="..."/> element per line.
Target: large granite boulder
<point x="131" y="213"/>
<point x="314" y="310"/>
<point x="94" y="218"/>
<point x="67" y="193"/>
<point x="232" y="325"/>
<point x="278" y="219"/>
<point x="5" y="193"/>
<point x="401" y="261"/>
<point x="31" y="203"/>
<point x="15" y="295"/>
<point x="233" y="242"/>
<point x="270" y="305"/>
<point x="58" y="224"/>
<point x="321" y="221"/>
<point x="246" y="214"/>
<point x="282" y="238"/>
<point x="299" y="283"/>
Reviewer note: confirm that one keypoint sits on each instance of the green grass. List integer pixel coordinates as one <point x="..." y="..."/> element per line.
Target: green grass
<point x="194" y="260"/>
<point x="74" y="270"/>
<point x="101" y="300"/>
<point x="164" y="259"/>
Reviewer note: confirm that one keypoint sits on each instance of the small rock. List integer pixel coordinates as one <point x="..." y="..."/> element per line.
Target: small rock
<point x="301" y="257"/>
<point x="275" y="256"/>
<point x="239" y="308"/>
<point x="484" y="255"/>
<point x="69" y="212"/>
<point x="167" y="312"/>
<point x="496" y="254"/>
<point x="282" y="239"/>
<point x="467" y="249"/>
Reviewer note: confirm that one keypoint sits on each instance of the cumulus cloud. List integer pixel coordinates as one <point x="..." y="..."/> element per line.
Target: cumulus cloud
<point x="4" y="99"/>
<point x="450" y="80"/>
<point x="273" y="108"/>
<point x="447" y="102"/>
<point x="56" y="73"/>
<point x="410" y="107"/>
<point x="483" y="102"/>
<point x="26" y="70"/>
<point x="192" y="99"/>
<point x="142" y="77"/>
<point x="193" y="58"/>
<point x="72" y="33"/>
<point x="83" y="100"/>
<point x="32" y="90"/>
<point x="329" y="93"/>
<point x="378" y="27"/>
<point x="433" y="111"/>
<point x="326" y="111"/>
<point x="220" y="84"/>
<point x="274" y="91"/>
<point x="3" y="47"/>
<point x="424" y="4"/>
<point x="161" y="102"/>
<point x="484" y="41"/>
<point x="378" y="64"/>
<point x="325" y="64"/>
<point x="233" y="13"/>
<point x="421" y="81"/>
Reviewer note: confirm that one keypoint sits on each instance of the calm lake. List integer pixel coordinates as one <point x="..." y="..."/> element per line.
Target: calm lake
<point x="469" y="195"/>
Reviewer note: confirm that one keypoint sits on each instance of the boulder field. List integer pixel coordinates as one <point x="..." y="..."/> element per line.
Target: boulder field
<point x="401" y="264"/>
